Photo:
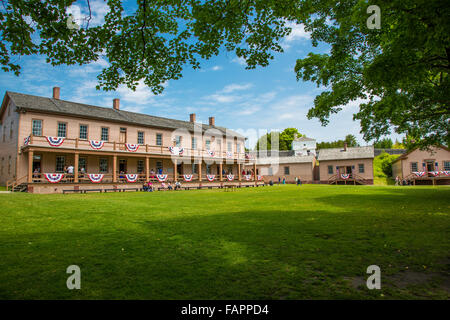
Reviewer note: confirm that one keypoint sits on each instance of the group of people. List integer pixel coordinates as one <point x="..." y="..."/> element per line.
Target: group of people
<point x="298" y="181"/>
<point x="248" y="172"/>
<point x="402" y="182"/>
<point x="150" y="188"/>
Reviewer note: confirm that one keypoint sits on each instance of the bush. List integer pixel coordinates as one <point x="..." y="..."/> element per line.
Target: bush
<point x="383" y="164"/>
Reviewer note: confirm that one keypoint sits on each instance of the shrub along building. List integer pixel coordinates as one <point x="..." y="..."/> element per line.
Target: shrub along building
<point x="424" y="166"/>
<point x="109" y="148"/>
<point x="346" y="165"/>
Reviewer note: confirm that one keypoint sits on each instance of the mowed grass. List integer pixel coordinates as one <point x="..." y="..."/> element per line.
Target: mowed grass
<point x="281" y="242"/>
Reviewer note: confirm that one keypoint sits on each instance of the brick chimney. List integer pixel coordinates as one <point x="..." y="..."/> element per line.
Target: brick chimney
<point x="345" y="146"/>
<point x="212" y="121"/>
<point x="192" y="117"/>
<point x="55" y="92"/>
<point x="116" y="104"/>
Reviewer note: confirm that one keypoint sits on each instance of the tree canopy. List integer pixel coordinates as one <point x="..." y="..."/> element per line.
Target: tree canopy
<point x="398" y="72"/>
<point x="285" y="139"/>
<point x="349" y="139"/>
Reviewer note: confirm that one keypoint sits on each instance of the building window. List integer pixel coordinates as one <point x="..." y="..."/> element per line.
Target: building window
<point x="447" y="165"/>
<point x="11" y="130"/>
<point x="238" y="147"/>
<point x="208" y="144"/>
<point x="361" y="168"/>
<point x="105" y="134"/>
<point x="159" y="165"/>
<point x="270" y="171"/>
<point x="178" y="141"/>
<point x="330" y="169"/>
<point x="219" y="144"/>
<point x="159" y="139"/>
<point x="60" y="163"/>
<point x="194" y="168"/>
<point x="62" y="129"/>
<point x="82" y="164"/>
<point x="37" y="128"/>
<point x="194" y="143"/>
<point x="286" y="170"/>
<point x="103" y="165"/>
<point x="140" y="166"/>
<point x="83" y="132"/>
<point x="414" y="167"/>
<point x="208" y="169"/>
<point x="140" y="139"/>
<point x="229" y="147"/>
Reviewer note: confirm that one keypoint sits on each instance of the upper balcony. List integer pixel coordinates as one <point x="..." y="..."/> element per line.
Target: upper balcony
<point x="120" y="147"/>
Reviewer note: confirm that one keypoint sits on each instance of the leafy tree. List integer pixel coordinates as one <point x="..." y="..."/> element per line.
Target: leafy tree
<point x="349" y="139"/>
<point x="385" y="143"/>
<point x="398" y="145"/>
<point x="285" y="139"/>
<point x="383" y="164"/>
<point x="402" y="69"/>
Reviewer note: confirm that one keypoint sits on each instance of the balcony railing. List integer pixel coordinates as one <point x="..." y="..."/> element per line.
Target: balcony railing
<point x="87" y="145"/>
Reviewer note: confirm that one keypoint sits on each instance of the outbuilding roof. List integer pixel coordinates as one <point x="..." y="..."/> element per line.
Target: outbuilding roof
<point x="350" y="153"/>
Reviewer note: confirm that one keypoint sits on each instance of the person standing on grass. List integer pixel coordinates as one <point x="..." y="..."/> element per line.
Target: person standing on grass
<point x="299" y="181"/>
<point x="296" y="180"/>
<point x="396" y="180"/>
<point x="284" y="180"/>
<point x="279" y="180"/>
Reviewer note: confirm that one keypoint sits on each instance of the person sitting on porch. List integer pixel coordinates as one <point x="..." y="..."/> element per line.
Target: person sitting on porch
<point x="169" y="186"/>
<point x="163" y="185"/>
<point x="160" y="171"/>
<point x="152" y="174"/>
<point x="82" y="172"/>
<point x="177" y="185"/>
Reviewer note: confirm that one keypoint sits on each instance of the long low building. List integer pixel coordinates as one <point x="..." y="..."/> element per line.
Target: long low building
<point x="348" y="165"/>
<point x="49" y="145"/>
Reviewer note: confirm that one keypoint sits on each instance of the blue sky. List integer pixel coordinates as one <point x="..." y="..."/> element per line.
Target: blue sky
<point x="249" y="101"/>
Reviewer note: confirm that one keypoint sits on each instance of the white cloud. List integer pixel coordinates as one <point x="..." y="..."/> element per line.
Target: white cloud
<point x="236" y="87"/>
<point x="80" y="12"/>
<point x="216" y="68"/>
<point x="297" y="34"/>
<point x="239" y="60"/>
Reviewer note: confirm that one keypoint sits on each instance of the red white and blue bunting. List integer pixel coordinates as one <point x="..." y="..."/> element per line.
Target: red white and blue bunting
<point x="26" y="141"/>
<point x="434" y="173"/>
<point x="161" y="177"/>
<point x="230" y="177"/>
<point x="445" y="173"/>
<point x="247" y="177"/>
<point x="96" y="177"/>
<point x="132" y="147"/>
<point x="419" y="173"/>
<point x="54" y="177"/>
<point x="211" y="153"/>
<point x="176" y="151"/>
<point x="229" y="155"/>
<point x="188" y="177"/>
<point x="210" y="177"/>
<point x="97" y="145"/>
<point x="55" y="141"/>
<point x="345" y="176"/>
<point x="260" y="178"/>
<point x="132" y="177"/>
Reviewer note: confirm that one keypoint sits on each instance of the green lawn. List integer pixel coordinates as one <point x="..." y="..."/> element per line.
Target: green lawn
<point x="286" y="242"/>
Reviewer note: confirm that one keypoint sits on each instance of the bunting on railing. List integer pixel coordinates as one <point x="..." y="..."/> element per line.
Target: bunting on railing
<point x="97" y="145"/>
<point x="229" y="155"/>
<point x="132" y="147"/>
<point x="132" y="177"/>
<point x="248" y="156"/>
<point x="230" y="177"/>
<point x="176" y="151"/>
<point x="211" y="153"/>
<point x="26" y="141"/>
<point x="55" y="141"/>
<point x="345" y="176"/>
<point x="434" y="173"/>
<point x="188" y="177"/>
<point x="248" y="177"/>
<point x="445" y="173"/>
<point x="260" y="178"/>
<point x="161" y="177"/>
<point x="419" y="173"/>
<point x="53" y="177"/>
<point x="210" y="177"/>
<point x="96" y="177"/>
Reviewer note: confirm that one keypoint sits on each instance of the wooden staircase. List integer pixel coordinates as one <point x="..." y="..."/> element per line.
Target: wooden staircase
<point x="354" y="179"/>
<point x="19" y="185"/>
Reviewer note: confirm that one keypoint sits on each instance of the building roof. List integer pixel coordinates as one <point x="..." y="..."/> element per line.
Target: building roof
<point x="283" y="160"/>
<point x="351" y="153"/>
<point x="405" y="155"/>
<point x="304" y="139"/>
<point x="63" y="107"/>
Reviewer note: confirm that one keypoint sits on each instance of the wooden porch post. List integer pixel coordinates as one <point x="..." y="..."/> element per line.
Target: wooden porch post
<point x="75" y="177"/>
<point x="147" y="169"/>
<point x="175" y="170"/>
<point x="30" y="166"/>
<point x="220" y="173"/>
<point x="239" y="171"/>
<point x="254" y="171"/>
<point x="114" y="169"/>
<point x="200" y="170"/>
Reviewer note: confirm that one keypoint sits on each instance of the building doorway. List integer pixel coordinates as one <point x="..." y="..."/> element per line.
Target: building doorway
<point x="122" y="166"/>
<point x="122" y="138"/>
<point x="180" y="168"/>
<point x="430" y="165"/>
